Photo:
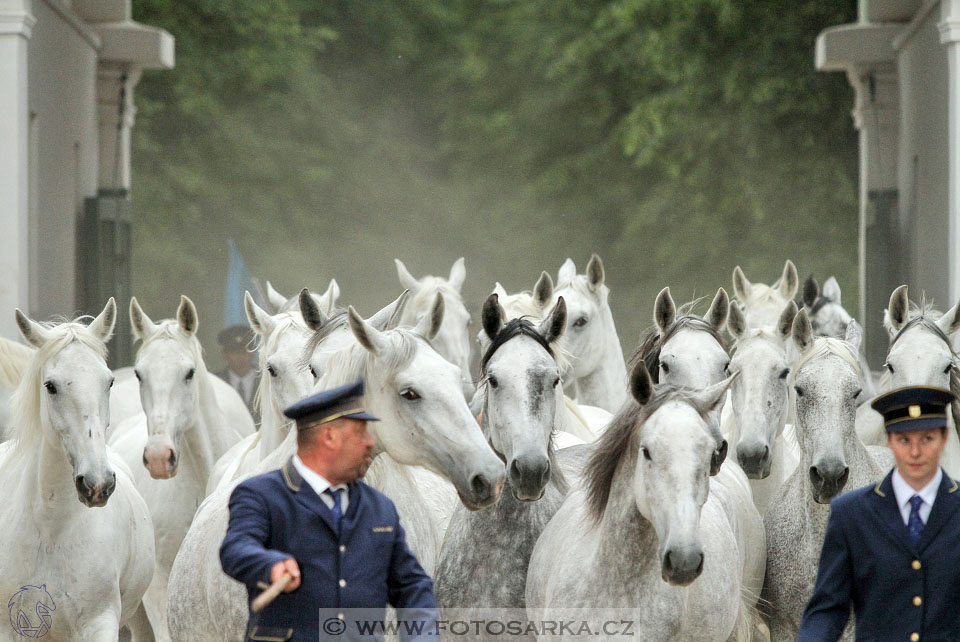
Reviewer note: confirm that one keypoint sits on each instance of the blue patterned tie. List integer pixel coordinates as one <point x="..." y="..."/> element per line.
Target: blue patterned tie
<point x="337" y="513"/>
<point x="914" y="523"/>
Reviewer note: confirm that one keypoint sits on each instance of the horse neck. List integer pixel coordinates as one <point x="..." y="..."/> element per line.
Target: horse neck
<point x="274" y="427"/>
<point x="208" y="438"/>
<point x="606" y="386"/>
<point x="49" y="479"/>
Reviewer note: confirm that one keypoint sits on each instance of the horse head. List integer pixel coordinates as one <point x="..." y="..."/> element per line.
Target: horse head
<point x="588" y="315"/>
<point x="761" y="304"/>
<point x="827" y="315"/>
<point x="66" y="389"/>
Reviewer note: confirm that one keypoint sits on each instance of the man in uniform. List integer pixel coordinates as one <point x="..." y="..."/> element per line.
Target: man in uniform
<point x="240" y="372"/>
<point x="340" y="539"/>
<point x="892" y="551"/>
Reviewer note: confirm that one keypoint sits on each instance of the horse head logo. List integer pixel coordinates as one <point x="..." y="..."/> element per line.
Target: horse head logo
<point x="30" y="610"/>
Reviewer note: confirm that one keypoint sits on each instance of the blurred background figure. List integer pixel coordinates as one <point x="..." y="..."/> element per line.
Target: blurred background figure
<point x="240" y="372"/>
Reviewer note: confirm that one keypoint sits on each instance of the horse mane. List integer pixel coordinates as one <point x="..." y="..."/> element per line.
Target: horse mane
<point x="353" y="361"/>
<point x="268" y="345"/>
<point x="914" y="310"/>
<point x="26" y="430"/>
<point x="520" y="326"/>
<point x="825" y="346"/>
<point x="619" y="442"/>
<point x="337" y="319"/>
<point x="13" y="359"/>
<point x="653" y="341"/>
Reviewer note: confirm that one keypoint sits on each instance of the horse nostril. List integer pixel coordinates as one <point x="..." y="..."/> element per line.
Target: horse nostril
<point x="700" y="565"/>
<point x="480" y="486"/>
<point x="172" y="459"/>
<point x="667" y="562"/>
<point x="144" y="457"/>
<point x="815" y="477"/>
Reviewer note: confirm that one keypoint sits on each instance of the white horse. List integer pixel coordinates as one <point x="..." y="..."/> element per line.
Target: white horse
<point x="829" y="319"/>
<point x="452" y="341"/>
<point x="483" y="561"/>
<point x="13" y="360"/>
<point x="173" y="445"/>
<point x="686" y="351"/>
<point x="424" y="422"/>
<point x="920" y="354"/>
<point x="598" y="371"/>
<point x="761" y="402"/>
<point x="648" y="540"/>
<point x="71" y="570"/>
<point x="833" y="458"/>
<point x="761" y="304"/>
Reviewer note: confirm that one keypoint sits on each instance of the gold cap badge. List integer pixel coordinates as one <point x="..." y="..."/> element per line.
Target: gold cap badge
<point x="914" y="411"/>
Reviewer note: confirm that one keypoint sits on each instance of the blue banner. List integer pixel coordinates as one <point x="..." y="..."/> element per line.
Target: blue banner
<point x="239" y="280"/>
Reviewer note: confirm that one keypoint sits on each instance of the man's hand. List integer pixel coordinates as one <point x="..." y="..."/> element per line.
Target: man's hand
<point x="286" y="566"/>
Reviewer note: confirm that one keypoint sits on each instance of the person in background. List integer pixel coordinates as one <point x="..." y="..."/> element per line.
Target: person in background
<point x="890" y="550"/>
<point x="240" y="372"/>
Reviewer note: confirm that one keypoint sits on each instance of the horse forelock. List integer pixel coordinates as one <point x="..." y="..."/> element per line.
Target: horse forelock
<point x="170" y="329"/>
<point x="423" y="298"/>
<point x="758" y="333"/>
<point x="927" y="322"/>
<point x="514" y="328"/>
<point x="619" y="442"/>
<point x="653" y="340"/>
<point x="26" y="430"/>
<point x="353" y="361"/>
<point x="337" y="320"/>
<point x="581" y="285"/>
<point x="522" y="304"/>
<point x="763" y="293"/>
<point x="825" y="346"/>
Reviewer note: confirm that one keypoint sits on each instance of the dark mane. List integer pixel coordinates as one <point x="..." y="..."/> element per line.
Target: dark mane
<point x="337" y="319"/>
<point x="928" y="324"/>
<point x="652" y="342"/>
<point x="513" y="328"/>
<point x="620" y="441"/>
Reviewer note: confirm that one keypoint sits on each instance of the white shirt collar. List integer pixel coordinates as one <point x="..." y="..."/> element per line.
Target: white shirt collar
<point x="903" y="491"/>
<point x="319" y="484"/>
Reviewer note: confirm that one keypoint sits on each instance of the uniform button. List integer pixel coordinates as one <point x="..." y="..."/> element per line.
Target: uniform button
<point x="916" y="565"/>
<point x="340" y="617"/>
<point x="343" y="549"/>
<point x="914" y="637"/>
<point x="344" y="583"/>
<point x="917" y="601"/>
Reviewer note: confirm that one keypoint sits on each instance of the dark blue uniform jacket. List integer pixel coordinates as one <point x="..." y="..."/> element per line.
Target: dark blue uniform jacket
<point x="367" y="564"/>
<point x="898" y="591"/>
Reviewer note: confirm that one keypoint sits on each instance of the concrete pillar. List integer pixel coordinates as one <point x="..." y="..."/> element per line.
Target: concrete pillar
<point x="16" y="23"/>
<point x="116" y="114"/>
<point x="949" y="28"/>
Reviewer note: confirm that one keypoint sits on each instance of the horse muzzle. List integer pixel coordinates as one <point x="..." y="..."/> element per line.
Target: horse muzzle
<point x="529" y="477"/>
<point x="755" y="460"/>
<point x="828" y="480"/>
<point x="482" y="491"/>
<point x="95" y="492"/>
<point x="717" y="458"/>
<point x="162" y="460"/>
<point x="680" y="568"/>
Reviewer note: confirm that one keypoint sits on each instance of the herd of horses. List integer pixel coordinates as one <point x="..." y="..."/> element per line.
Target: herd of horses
<point x="688" y="486"/>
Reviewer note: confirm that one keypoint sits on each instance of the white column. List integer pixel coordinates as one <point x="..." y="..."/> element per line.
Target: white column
<point x="949" y="27"/>
<point x="16" y="23"/>
<point x="116" y="115"/>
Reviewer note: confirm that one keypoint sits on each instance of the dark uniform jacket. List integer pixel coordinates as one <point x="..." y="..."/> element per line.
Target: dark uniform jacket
<point x="225" y="375"/>
<point x="899" y="592"/>
<point x="277" y="515"/>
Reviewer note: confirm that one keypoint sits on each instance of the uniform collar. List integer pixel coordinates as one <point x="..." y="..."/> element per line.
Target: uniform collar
<point x="903" y="491"/>
<point x="317" y="482"/>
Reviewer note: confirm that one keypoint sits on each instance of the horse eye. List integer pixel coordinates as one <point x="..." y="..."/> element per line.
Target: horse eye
<point x="51" y="388"/>
<point x="888" y="367"/>
<point x="409" y="394"/>
<point x="786" y="371"/>
<point x="579" y="323"/>
<point x="313" y="373"/>
<point x="665" y="368"/>
<point x="111" y="384"/>
<point x="272" y="370"/>
<point x="857" y="393"/>
<point x="947" y="369"/>
<point x="646" y="454"/>
<point x="493" y="381"/>
<point x="190" y="374"/>
<point x="799" y="391"/>
<point x="137" y="375"/>
<point x="556" y="382"/>
<point x="726" y="368"/>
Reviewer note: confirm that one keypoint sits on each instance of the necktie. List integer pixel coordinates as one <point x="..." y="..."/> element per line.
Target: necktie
<point x="914" y="523"/>
<point x="337" y="513"/>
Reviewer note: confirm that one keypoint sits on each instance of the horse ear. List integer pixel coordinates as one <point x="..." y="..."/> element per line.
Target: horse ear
<point x="499" y="290"/>
<point x="543" y="290"/>
<point x="328" y="300"/>
<point x="854" y="334"/>
<point x="260" y="320"/>
<point x="595" y="273"/>
<point x="831" y="290"/>
<point x="898" y="308"/>
<point x="708" y="399"/>
<point x="33" y="332"/>
<point x="641" y="386"/>
<point x="741" y="286"/>
<point x="950" y="321"/>
<point x="406" y="279"/>
<point x="187" y="315"/>
<point x="429" y="324"/>
<point x="719" y="310"/>
<point x="102" y="326"/>
<point x="664" y="310"/>
<point x="785" y="324"/>
<point x="789" y="281"/>
<point x="736" y="324"/>
<point x="491" y="316"/>
<point x="275" y="299"/>
<point x="553" y="326"/>
<point x="458" y="274"/>
<point x="389" y="317"/>
<point x="139" y="321"/>
<point x="311" y="311"/>
<point x="811" y="290"/>
<point x="567" y="271"/>
<point x="369" y="337"/>
<point x="802" y="331"/>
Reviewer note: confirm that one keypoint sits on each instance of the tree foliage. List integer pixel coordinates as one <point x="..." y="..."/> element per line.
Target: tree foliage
<point x="676" y="139"/>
